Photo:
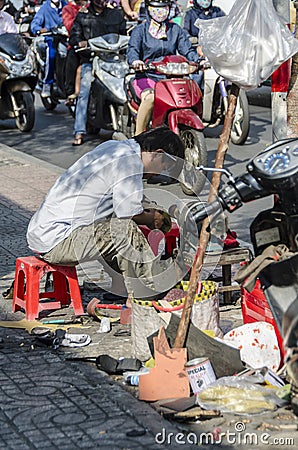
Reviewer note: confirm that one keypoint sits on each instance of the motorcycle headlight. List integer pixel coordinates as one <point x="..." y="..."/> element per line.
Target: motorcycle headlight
<point x="21" y="68"/>
<point x="173" y="68"/>
<point x="117" y="69"/>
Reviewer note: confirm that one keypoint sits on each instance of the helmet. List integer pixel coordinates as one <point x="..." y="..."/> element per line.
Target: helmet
<point x="101" y="4"/>
<point x="204" y="4"/>
<point x="158" y="3"/>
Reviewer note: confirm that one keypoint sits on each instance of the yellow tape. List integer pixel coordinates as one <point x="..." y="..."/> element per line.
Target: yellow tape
<point x="208" y="290"/>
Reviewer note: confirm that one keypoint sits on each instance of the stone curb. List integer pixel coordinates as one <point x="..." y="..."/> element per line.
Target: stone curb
<point x="13" y="153"/>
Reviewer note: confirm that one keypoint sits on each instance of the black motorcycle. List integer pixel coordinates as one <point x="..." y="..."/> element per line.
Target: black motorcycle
<point x="272" y="172"/>
<point x="17" y="81"/>
<point x="24" y="17"/>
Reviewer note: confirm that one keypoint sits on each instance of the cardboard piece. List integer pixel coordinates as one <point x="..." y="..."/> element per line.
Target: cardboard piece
<point x="28" y="325"/>
<point x="225" y="360"/>
<point x="168" y="379"/>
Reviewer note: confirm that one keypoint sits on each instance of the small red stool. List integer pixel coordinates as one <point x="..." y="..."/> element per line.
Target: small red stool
<point x="31" y="270"/>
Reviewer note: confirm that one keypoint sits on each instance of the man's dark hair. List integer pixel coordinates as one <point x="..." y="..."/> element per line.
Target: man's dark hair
<point x="161" y="138"/>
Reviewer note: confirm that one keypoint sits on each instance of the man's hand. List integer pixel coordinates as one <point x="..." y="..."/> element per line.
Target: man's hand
<point x="133" y="15"/>
<point x="43" y="30"/>
<point x="158" y="220"/>
<point x="150" y="217"/>
<point x="193" y="40"/>
<point x="200" y="51"/>
<point x="139" y="65"/>
<point x="83" y="44"/>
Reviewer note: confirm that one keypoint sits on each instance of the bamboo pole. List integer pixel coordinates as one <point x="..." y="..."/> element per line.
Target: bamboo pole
<point x="205" y="235"/>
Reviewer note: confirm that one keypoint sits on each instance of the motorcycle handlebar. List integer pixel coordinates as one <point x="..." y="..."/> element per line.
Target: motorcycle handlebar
<point x="81" y="49"/>
<point x="152" y="67"/>
<point x="242" y="190"/>
<point x="207" y="210"/>
<point x="148" y="68"/>
<point x="53" y="31"/>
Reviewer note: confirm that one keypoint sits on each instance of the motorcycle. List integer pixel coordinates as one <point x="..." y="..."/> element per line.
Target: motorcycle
<point x="60" y="42"/>
<point x="215" y="105"/>
<point x="107" y="96"/>
<point x="24" y="17"/>
<point x="178" y="104"/>
<point x="17" y="81"/>
<point x="272" y="172"/>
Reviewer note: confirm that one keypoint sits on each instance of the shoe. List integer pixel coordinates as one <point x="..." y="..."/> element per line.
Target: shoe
<point x="58" y="338"/>
<point x="118" y="136"/>
<point x="114" y="366"/>
<point x="78" y="140"/>
<point x="8" y="294"/>
<point x="71" y="100"/>
<point x="46" y="91"/>
<point x="75" y="340"/>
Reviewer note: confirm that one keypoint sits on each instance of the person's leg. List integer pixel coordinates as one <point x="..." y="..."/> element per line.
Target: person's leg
<point x="49" y="68"/>
<point x="78" y="80"/>
<point x="50" y="61"/>
<point x="118" y="243"/>
<point x="72" y="63"/>
<point x="199" y="79"/>
<point x="82" y="103"/>
<point x="144" y="111"/>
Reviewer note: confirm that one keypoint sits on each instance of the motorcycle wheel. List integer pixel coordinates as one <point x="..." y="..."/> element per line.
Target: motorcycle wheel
<point x="48" y="103"/>
<point x="240" y="126"/>
<point x="191" y="181"/>
<point x="124" y="121"/>
<point x="26" y="118"/>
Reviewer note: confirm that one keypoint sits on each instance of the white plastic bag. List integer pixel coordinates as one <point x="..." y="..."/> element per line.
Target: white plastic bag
<point x="249" y="44"/>
<point x="238" y="396"/>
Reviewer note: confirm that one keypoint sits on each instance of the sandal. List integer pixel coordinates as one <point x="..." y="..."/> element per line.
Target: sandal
<point x="69" y="102"/>
<point x="78" y="140"/>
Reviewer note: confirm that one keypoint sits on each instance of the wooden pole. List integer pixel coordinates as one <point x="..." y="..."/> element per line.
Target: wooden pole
<point x="205" y="235"/>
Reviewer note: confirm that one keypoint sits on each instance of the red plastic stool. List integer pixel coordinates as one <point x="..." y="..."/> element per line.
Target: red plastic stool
<point x="32" y="270"/>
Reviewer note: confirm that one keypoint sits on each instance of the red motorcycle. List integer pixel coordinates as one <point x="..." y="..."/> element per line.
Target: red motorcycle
<point x="178" y="104"/>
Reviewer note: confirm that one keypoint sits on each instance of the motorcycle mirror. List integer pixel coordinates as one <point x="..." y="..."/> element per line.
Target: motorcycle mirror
<point x="225" y="172"/>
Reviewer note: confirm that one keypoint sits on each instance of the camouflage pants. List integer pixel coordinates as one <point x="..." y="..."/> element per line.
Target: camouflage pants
<point x="120" y="244"/>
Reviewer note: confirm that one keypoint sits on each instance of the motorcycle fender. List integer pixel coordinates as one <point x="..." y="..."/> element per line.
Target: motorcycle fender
<point x="185" y="117"/>
<point x="17" y="85"/>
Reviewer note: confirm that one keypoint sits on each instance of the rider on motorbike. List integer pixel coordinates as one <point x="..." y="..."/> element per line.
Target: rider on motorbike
<point x="202" y="9"/>
<point x="69" y="13"/>
<point x="153" y="39"/>
<point x="97" y="21"/>
<point x="47" y="17"/>
<point x="7" y="24"/>
<point x="8" y="6"/>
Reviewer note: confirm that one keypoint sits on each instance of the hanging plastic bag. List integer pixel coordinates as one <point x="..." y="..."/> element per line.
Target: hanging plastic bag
<point x="249" y="44"/>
